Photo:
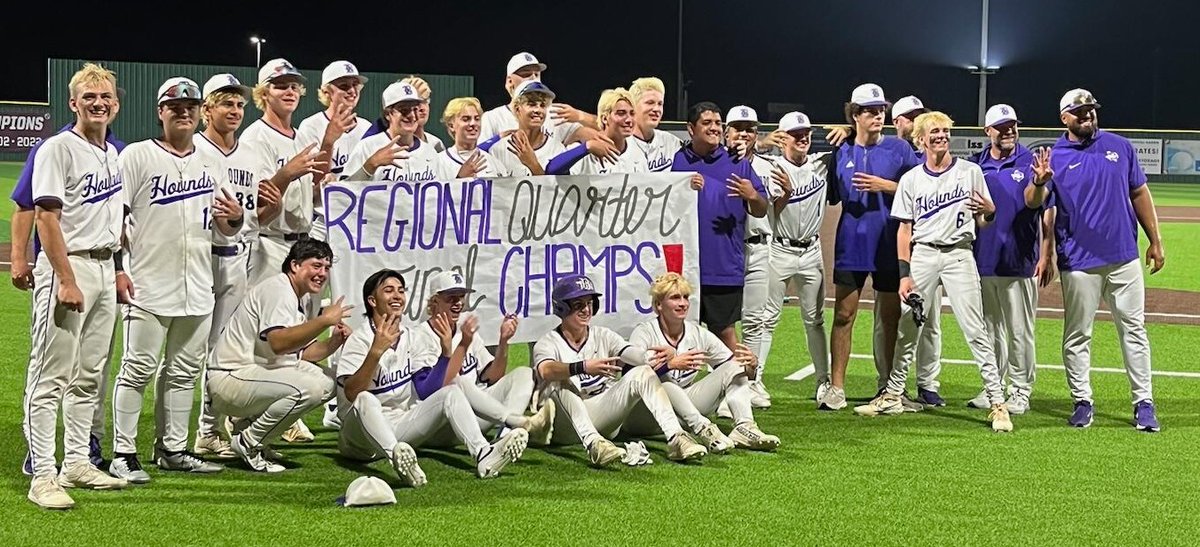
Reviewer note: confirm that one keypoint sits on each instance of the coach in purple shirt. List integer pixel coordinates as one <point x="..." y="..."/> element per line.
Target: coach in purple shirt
<point x="727" y="187"/>
<point x="1099" y="190"/>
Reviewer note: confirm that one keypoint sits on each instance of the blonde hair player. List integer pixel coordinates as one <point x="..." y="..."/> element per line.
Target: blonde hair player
<point x="657" y="145"/>
<point x="395" y="154"/>
<point x="615" y="112"/>
<point x="694" y="348"/>
<point x="74" y="297"/>
<point x="940" y="205"/>
<point x="176" y="197"/>
<point x="464" y="158"/>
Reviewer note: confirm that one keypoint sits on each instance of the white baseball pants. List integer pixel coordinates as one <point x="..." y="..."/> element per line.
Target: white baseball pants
<point x="698" y="400"/>
<point x="756" y="333"/>
<point x="1009" y="307"/>
<point x="274" y="397"/>
<point x="369" y="432"/>
<point x="805" y="268"/>
<point x="579" y="420"/>
<point x="266" y="258"/>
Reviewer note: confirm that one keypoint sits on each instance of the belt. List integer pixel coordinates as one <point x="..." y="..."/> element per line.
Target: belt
<point x="798" y="243"/>
<point x="219" y="250"/>
<point x="949" y="247"/>
<point x="94" y="254"/>
<point x="755" y="240"/>
<point x="289" y="237"/>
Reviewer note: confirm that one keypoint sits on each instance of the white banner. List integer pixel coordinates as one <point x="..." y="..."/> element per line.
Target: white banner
<point x="512" y="238"/>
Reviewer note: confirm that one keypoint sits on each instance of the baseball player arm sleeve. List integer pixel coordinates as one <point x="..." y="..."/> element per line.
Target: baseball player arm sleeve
<point x="562" y="163"/>
<point x="49" y="176"/>
<point x="487" y="145"/>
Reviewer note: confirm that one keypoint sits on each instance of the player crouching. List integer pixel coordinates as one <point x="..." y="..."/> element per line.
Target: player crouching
<point x="695" y="347"/>
<point x="577" y="364"/>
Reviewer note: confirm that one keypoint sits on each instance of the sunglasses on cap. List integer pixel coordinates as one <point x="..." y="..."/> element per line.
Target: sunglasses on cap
<point x="1082" y="99"/>
<point x="181" y="90"/>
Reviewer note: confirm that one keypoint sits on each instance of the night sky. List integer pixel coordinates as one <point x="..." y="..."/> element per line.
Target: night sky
<point x="1140" y="59"/>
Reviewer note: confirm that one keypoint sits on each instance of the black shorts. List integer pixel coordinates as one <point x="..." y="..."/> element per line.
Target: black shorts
<point x="881" y="281"/>
<point x="720" y="306"/>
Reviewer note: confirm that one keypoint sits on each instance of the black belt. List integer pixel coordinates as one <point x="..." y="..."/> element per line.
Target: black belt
<point x="944" y="247"/>
<point x="755" y="240"/>
<point x="798" y="243"/>
<point x="94" y="254"/>
<point x="290" y="237"/>
<point x="219" y="250"/>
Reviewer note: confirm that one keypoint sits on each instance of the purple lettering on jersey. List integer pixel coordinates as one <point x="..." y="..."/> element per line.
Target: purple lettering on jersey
<point x="164" y="191"/>
<point x="99" y="189"/>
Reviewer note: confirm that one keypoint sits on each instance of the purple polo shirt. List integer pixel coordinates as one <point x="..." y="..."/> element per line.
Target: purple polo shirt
<point x="722" y="218"/>
<point x="1011" y="246"/>
<point x="866" y="233"/>
<point x="1095" y="224"/>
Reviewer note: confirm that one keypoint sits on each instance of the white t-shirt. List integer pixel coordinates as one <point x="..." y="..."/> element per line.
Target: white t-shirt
<point x="756" y="226"/>
<point x="695" y="337"/>
<point x="936" y="203"/>
<point x="509" y="163"/>
<point x="632" y="160"/>
<point x="427" y="348"/>
<point x="601" y="342"/>
<point x="276" y="149"/>
<point x="312" y="130"/>
<point x="452" y="159"/>
<point x="801" y="218"/>
<point x="85" y="180"/>
<point x="659" y="151"/>
<point x="170" y="227"/>
<point x="269" y="305"/>
<point x="392" y="383"/>
<point x="239" y="167"/>
<point x="419" y="167"/>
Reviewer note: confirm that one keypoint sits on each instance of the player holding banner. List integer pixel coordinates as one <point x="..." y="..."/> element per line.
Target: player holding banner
<point x="940" y="205"/>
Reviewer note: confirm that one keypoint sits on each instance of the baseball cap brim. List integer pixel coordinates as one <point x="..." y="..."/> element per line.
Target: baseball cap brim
<point x="540" y="66"/>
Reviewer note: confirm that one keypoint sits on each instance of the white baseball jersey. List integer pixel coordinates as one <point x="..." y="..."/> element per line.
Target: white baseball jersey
<point x="452" y="159"/>
<point x="501" y="119"/>
<point x="427" y="348"/>
<point x="756" y="226"/>
<point x="509" y="163"/>
<point x="805" y="210"/>
<point x="312" y="130"/>
<point x="632" y="160"/>
<point x="170" y="227"/>
<point x="936" y="203"/>
<point x="659" y="151"/>
<point x="392" y="383"/>
<point x="601" y="342"/>
<point x="271" y="304"/>
<point x="240" y="170"/>
<point x="419" y="167"/>
<point x="695" y="337"/>
<point x="275" y="149"/>
<point x="434" y="142"/>
<point x="85" y="180"/>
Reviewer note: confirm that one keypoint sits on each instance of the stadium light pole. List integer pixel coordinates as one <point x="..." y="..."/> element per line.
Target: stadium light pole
<point x="680" y="94"/>
<point x="983" y="69"/>
<point x="258" y="42"/>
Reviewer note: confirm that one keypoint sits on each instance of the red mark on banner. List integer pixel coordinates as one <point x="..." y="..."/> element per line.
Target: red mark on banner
<point x="673" y="254"/>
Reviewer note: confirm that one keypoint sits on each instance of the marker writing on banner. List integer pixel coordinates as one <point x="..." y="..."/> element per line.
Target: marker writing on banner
<point x="537" y="267"/>
<point x="542" y="212"/>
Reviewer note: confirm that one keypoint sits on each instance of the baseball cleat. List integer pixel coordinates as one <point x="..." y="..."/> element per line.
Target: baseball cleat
<point x="980" y="401"/>
<point x="603" y="452"/>
<point x="1017" y="404"/>
<point x="714" y="440"/>
<point x="1082" y="417"/>
<point x="94" y="454"/>
<point x="835" y="399"/>
<point x="213" y="445"/>
<point x="682" y="447"/>
<point x="254" y="457"/>
<point x="1001" y="422"/>
<point x="910" y="405"/>
<point x="127" y="466"/>
<point x="186" y="461"/>
<point x="723" y="410"/>
<point x="1144" y="417"/>
<point x="502" y="452"/>
<point x="48" y="494"/>
<point x="540" y="426"/>
<point x="404" y="461"/>
<point x="748" y="435"/>
<point x="86" y="475"/>
<point x="298" y="433"/>
<point x="331" y="419"/>
<point x="930" y="397"/>
<point x="883" y="404"/>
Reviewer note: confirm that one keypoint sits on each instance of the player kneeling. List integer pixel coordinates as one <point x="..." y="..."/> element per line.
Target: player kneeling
<point x="696" y="346"/>
<point x="577" y="363"/>
<point x="386" y="404"/>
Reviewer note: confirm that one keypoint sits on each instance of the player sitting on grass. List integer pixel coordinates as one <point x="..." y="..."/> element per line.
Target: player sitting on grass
<point x="694" y="346"/>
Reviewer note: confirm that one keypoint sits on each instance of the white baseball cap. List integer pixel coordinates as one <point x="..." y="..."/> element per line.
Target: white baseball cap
<point x="868" y="95"/>
<point x="999" y="114"/>
<point x="522" y="60"/>
<point x="221" y="82"/>
<point x="794" y="121"/>
<point x="341" y="69"/>
<point x="1076" y="98"/>
<point x="741" y="113"/>
<point x="448" y="281"/>
<point x="278" y="68"/>
<point x="906" y="105"/>
<point x="400" y="92"/>
<point x="533" y="86"/>
<point x="368" y="491"/>
<point x="178" y="88"/>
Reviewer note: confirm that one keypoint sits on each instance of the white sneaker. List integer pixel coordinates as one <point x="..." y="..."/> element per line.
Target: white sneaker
<point x="883" y="404"/>
<point x="86" y="475"/>
<point x="682" y="447"/>
<point x="404" y="461"/>
<point x="186" y="461"/>
<point x="760" y="389"/>
<point x="331" y="418"/>
<point x="254" y="457"/>
<point x="834" y="399"/>
<point x="723" y="410"/>
<point x="715" y="441"/>
<point x="822" y="389"/>
<point x="127" y="466"/>
<point x="298" y="433"/>
<point x="603" y="452"/>
<point x="1017" y="404"/>
<point x="48" y="494"/>
<point x="759" y="398"/>
<point x="748" y="435"/>
<point x="506" y="450"/>
<point x="540" y="426"/>
<point x="1001" y="422"/>
<point x="980" y="401"/>
<point x="213" y="445"/>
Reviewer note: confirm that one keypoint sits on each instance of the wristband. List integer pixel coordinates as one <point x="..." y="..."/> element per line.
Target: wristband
<point x="576" y="368"/>
<point x="905" y="269"/>
<point x="1042" y="185"/>
<point x="119" y="261"/>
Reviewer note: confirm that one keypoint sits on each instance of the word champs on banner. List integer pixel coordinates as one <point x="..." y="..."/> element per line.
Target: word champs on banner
<point x="512" y="238"/>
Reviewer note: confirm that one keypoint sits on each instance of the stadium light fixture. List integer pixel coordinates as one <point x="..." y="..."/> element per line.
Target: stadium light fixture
<point x="257" y="42"/>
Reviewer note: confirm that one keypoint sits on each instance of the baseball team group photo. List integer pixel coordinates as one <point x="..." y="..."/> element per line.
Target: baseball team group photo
<point x="305" y="302"/>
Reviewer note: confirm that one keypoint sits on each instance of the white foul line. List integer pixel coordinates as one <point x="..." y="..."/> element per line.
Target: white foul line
<point x="1060" y="310"/>
<point x="810" y="369"/>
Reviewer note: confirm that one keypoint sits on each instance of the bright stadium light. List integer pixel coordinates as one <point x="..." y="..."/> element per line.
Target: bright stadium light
<point x="258" y="42"/>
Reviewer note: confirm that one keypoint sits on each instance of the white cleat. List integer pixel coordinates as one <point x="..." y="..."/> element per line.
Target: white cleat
<point x="86" y="475"/>
<point x="834" y="399"/>
<point x="254" y="457"/>
<point x="501" y="453"/>
<point x="886" y="404"/>
<point x="48" y="494"/>
<point x="759" y="398"/>
<point x="980" y="401"/>
<point x="186" y="461"/>
<point x="127" y="466"/>
<point x="213" y="445"/>
<point x="404" y="461"/>
<point x="298" y="433"/>
<point x="749" y="436"/>
<point x="682" y="447"/>
<point x="540" y="426"/>
<point x="714" y="440"/>
<point x="603" y="452"/>
<point x="1001" y="422"/>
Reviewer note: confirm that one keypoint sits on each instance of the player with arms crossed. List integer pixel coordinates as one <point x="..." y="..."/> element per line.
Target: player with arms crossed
<point x="657" y="145"/>
<point x="464" y="158"/>
<point x="940" y="206"/>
